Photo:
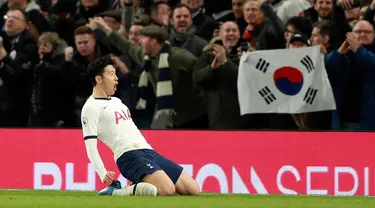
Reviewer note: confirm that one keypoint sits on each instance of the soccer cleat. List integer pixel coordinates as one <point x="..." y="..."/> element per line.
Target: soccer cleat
<point x="109" y="190"/>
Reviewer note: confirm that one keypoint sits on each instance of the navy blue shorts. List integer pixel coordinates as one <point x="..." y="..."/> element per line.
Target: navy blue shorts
<point x="136" y="164"/>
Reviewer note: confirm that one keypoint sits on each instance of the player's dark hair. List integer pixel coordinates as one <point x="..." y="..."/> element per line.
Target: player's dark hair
<point x="96" y="67"/>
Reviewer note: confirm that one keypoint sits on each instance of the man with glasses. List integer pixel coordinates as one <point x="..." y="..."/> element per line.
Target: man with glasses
<point x="296" y="25"/>
<point x="351" y="71"/>
<point x="18" y="54"/>
<point x="33" y="11"/>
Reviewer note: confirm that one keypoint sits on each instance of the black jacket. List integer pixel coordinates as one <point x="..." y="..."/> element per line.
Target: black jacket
<point x="16" y="78"/>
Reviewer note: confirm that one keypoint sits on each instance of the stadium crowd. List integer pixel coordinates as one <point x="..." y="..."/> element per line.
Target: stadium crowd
<point x="47" y="45"/>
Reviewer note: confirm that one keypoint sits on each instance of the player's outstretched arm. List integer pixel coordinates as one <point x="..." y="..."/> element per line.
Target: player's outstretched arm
<point x="96" y="160"/>
<point x="90" y="120"/>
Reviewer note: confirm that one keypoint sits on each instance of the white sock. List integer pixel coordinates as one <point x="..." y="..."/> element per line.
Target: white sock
<point x="139" y="189"/>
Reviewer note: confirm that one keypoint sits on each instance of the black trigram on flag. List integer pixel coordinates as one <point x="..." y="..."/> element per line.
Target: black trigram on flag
<point x="307" y="62"/>
<point x="310" y="95"/>
<point x="267" y="95"/>
<point x="262" y="65"/>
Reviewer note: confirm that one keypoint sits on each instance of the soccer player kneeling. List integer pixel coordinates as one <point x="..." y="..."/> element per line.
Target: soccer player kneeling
<point x="106" y="118"/>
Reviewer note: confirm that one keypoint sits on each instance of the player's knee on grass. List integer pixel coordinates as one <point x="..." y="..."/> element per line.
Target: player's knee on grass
<point x="162" y="182"/>
<point x="186" y="185"/>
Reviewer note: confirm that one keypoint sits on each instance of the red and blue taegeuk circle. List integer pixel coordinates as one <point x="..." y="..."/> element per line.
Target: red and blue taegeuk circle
<point x="288" y="80"/>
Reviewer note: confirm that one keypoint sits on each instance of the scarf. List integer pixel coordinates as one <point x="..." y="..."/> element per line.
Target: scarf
<point x="164" y="90"/>
<point x="181" y="39"/>
<point x="249" y="35"/>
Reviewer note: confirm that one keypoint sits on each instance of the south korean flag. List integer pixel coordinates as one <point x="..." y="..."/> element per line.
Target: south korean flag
<point x="284" y="81"/>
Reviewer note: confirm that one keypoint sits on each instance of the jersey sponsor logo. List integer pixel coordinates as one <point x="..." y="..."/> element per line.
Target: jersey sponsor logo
<point x="84" y="121"/>
<point x="122" y="115"/>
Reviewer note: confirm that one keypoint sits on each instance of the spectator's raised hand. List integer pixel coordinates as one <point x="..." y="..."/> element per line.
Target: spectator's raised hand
<point x="345" y="4"/>
<point x="100" y="23"/>
<point x="344" y="48"/>
<point x="92" y="24"/>
<point x="220" y="56"/>
<point x="120" y="64"/>
<point x="353" y="41"/>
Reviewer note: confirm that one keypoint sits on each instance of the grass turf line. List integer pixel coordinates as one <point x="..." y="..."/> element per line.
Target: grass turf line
<point x="57" y="199"/>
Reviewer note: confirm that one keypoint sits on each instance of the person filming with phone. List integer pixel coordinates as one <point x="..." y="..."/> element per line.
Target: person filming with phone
<point x="216" y="73"/>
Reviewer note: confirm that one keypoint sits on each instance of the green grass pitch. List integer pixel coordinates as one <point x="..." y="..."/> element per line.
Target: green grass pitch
<point x="68" y="199"/>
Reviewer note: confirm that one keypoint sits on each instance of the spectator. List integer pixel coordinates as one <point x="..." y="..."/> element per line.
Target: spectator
<point x="131" y="12"/>
<point x="86" y="9"/>
<point x="369" y="13"/>
<point x="113" y="20"/>
<point x="217" y="72"/>
<point x="160" y="13"/>
<point x="48" y="95"/>
<point x="183" y="31"/>
<point x="127" y="88"/>
<point x="350" y="69"/>
<point x="313" y="120"/>
<point x="265" y="30"/>
<point x="353" y="15"/>
<point x="63" y="20"/>
<point x="33" y="11"/>
<point x="325" y="9"/>
<point x="89" y="47"/>
<point x="299" y="25"/>
<point x="18" y="55"/>
<point x="292" y="8"/>
<point x="299" y="41"/>
<point x="323" y="34"/>
<point x="185" y="99"/>
<point x="238" y="14"/>
<point x="205" y="24"/>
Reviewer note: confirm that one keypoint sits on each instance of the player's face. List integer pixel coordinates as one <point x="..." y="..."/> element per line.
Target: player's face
<point x="109" y="80"/>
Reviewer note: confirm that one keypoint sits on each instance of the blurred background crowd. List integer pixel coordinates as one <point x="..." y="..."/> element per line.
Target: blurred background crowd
<point x="47" y="45"/>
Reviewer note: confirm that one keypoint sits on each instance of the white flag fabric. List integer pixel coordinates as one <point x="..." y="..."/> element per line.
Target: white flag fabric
<point x="284" y="81"/>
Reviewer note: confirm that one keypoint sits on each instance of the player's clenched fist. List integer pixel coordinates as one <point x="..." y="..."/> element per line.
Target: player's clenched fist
<point x="68" y="53"/>
<point x="109" y="177"/>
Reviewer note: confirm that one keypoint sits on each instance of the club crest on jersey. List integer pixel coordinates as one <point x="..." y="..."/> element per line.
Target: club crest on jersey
<point x="122" y="115"/>
<point x="84" y="121"/>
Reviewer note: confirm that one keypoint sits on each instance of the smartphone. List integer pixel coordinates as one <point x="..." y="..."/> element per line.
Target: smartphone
<point x="244" y="46"/>
<point x="219" y="42"/>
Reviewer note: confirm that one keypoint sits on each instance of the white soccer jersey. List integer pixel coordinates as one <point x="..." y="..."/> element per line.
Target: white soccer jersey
<point x="109" y="120"/>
